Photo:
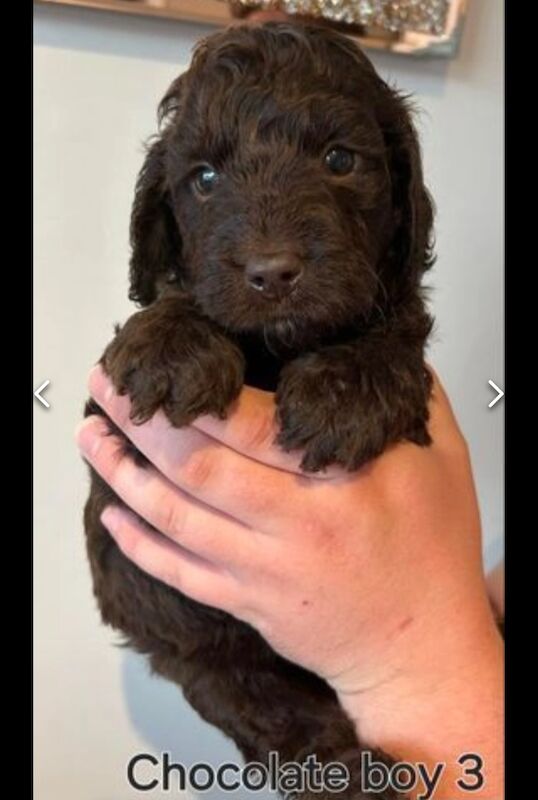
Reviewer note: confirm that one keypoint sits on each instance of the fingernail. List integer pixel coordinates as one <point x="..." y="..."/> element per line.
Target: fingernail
<point x="94" y="379"/>
<point x="89" y="436"/>
<point x="100" y="385"/>
<point x="110" y="517"/>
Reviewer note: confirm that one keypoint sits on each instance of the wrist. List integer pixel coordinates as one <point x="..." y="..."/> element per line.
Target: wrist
<point x="424" y="692"/>
<point x="445" y="701"/>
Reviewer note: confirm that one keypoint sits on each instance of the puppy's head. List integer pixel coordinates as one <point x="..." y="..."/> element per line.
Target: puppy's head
<point x="285" y="189"/>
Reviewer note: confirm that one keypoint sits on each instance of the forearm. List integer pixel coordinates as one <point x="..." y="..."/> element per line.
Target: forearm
<point x="452" y="706"/>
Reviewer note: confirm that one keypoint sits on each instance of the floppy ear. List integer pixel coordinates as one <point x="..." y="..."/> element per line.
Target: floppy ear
<point x="155" y="239"/>
<point x="410" y="252"/>
<point x="412" y="245"/>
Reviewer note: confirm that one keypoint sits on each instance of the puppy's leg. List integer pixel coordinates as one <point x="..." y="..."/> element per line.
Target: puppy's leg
<point x="267" y="705"/>
<point x="345" y="403"/>
<point x="336" y="743"/>
<point x="165" y="356"/>
<point x="168" y="356"/>
<point x="323" y="735"/>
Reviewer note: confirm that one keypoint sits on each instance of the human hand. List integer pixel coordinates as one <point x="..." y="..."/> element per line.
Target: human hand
<point x="344" y="574"/>
<point x="373" y="580"/>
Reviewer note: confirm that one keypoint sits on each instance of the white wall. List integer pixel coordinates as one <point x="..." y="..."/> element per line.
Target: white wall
<point x="98" y="78"/>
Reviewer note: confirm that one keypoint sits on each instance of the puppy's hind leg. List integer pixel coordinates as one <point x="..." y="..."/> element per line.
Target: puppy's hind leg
<point x="288" y="711"/>
<point x="339" y="754"/>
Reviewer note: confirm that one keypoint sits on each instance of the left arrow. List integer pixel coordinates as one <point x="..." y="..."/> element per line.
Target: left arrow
<point x="37" y="394"/>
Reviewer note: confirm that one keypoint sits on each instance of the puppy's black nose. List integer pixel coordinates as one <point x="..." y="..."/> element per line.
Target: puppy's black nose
<point x="273" y="276"/>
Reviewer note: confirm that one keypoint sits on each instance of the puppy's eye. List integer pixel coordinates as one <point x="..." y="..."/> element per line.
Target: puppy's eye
<point x="205" y="180"/>
<point x="340" y="161"/>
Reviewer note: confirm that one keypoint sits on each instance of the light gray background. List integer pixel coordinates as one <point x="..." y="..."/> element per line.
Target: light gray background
<point x="98" y="78"/>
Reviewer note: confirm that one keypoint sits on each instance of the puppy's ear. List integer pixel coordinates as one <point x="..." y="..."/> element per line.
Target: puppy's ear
<point x="412" y="248"/>
<point x="155" y="240"/>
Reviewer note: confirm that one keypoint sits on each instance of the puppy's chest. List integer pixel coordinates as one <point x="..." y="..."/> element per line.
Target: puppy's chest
<point x="262" y="367"/>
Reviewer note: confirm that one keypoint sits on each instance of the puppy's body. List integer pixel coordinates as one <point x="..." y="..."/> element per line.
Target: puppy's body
<point x="280" y="232"/>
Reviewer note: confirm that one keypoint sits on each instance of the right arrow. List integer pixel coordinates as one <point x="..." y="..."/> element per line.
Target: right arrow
<point x="500" y="394"/>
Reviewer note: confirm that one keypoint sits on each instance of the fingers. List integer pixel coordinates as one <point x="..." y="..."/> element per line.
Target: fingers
<point x="184" y="520"/>
<point x="195" y="577"/>
<point x="255" y="494"/>
<point x="250" y="429"/>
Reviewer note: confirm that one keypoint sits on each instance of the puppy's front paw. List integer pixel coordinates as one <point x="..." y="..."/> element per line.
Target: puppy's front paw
<point x="339" y="414"/>
<point x="183" y="373"/>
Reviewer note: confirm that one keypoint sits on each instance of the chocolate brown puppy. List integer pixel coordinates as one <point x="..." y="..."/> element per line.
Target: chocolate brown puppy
<point x="280" y="232"/>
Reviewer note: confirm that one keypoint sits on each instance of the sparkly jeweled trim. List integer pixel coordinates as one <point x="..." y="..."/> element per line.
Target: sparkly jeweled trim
<point x="424" y="16"/>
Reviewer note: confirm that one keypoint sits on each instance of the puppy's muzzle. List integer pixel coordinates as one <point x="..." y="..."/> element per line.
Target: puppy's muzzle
<point x="273" y="277"/>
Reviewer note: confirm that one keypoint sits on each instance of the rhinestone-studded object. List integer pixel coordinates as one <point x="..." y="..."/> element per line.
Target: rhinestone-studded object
<point x="395" y="16"/>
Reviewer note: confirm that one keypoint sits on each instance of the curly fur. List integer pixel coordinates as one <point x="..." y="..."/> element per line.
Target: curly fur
<point x="344" y="351"/>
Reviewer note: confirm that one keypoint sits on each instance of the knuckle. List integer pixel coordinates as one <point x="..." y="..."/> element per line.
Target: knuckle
<point x="197" y="472"/>
<point x="262" y="432"/>
<point x="172" y="519"/>
<point x="310" y="527"/>
<point x="319" y="534"/>
<point x="260" y="503"/>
